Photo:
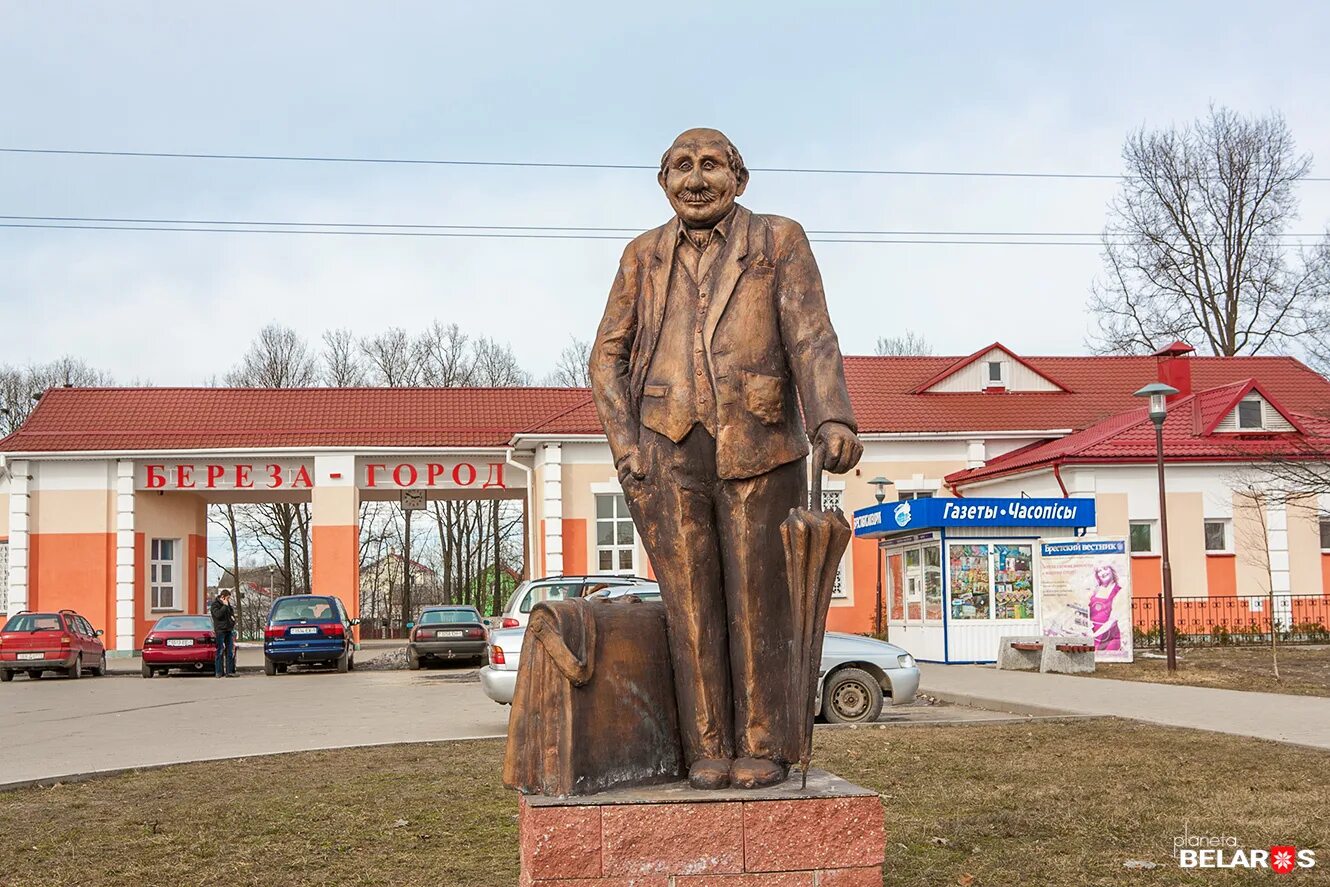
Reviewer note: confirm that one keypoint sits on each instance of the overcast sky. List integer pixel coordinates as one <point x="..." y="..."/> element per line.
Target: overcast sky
<point x="1001" y="87"/>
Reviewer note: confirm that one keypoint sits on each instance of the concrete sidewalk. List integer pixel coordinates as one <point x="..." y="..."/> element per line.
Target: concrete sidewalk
<point x="1302" y="720"/>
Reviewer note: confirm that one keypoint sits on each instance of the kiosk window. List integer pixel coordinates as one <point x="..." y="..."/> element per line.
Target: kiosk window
<point x="932" y="582"/>
<point x="991" y="581"/>
<point x="913" y="584"/>
<point x="969" y="582"/>
<point x="1013" y="582"/>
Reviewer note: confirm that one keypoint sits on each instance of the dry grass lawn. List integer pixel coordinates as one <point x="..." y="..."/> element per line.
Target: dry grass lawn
<point x="1303" y="670"/>
<point x="1054" y="803"/>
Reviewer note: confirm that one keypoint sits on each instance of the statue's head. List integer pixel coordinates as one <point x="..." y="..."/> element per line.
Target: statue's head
<point x="702" y="174"/>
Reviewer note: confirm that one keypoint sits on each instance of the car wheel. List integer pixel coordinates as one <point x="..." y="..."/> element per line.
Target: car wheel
<point x="100" y="669"/>
<point x="35" y="673"/>
<point x="76" y="670"/>
<point x="344" y="663"/>
<point x="851" y="696"/>
<point x="146" y="670"/>
<point x="412" y="661"/>
<point x="269" y="667"/>
<point x="6" y="676"/>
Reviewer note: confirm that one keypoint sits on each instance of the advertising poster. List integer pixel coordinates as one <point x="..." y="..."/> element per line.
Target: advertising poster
<point x="1086" y="592"/>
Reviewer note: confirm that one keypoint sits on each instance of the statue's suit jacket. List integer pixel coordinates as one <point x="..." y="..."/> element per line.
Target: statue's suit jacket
<point x="769" y="346"/>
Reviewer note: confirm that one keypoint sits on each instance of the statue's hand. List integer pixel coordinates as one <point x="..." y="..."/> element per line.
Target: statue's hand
<point x="842" y="447"/>
<point x="630" y="467"/>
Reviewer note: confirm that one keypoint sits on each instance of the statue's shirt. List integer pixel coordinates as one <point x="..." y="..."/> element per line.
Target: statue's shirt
<point x="679" y="391"/>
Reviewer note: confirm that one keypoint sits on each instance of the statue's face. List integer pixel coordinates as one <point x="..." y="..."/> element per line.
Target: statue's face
<point x="699" y="181"/>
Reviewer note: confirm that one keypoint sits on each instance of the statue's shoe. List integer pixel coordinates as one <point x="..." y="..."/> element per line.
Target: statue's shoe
<point x="709" y="773"/>
<point x="756" y="773"/>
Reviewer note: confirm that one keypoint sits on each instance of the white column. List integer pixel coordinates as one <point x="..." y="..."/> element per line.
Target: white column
<point x="124" y="556"/>
<point x="975" y="454"/>
<point x="19" y="487"/>
<point x="552" y="460"/>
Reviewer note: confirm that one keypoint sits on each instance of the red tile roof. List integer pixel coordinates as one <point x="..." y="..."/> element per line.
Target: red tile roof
<point x="1097" y="387"/>
<point x="73" y="419"/>
<point x="881" y="388"/>
<point x="1188" y="437"/>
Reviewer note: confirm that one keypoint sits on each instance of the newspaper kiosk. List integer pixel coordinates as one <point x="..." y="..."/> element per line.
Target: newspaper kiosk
<point x="959" y="574"/>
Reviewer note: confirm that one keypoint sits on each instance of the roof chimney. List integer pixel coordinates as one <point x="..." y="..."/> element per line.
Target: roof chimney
<point x="1174" y="367"/>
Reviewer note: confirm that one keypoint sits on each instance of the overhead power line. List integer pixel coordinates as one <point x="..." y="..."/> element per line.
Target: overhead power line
<point x="587" y="232"/>
<point x="513" y="235"/>
<point x="421" y="161"/>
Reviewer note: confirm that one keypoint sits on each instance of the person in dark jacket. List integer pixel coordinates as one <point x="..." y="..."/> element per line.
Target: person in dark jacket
<point x="224" y="626"/>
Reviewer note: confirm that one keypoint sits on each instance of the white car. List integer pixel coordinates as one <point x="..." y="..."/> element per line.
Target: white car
<point x="858" y="673"/>
<point x="557" y="588"/>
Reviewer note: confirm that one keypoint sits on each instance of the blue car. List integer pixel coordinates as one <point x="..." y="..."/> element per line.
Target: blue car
<point x="308" y="629"/>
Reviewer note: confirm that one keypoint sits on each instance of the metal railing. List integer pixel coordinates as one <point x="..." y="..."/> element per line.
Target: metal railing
<point x="1224" y="620"/>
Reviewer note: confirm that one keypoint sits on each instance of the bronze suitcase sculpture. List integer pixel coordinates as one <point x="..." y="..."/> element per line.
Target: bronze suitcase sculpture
<point x="594" y="706"/>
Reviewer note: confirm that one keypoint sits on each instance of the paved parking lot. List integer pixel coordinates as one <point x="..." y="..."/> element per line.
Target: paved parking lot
<point x="58" y="727"/>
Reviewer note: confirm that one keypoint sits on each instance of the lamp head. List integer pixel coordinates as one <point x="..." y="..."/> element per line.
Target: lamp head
<point x="881" y="483"/>
<point x="1159" y="393"/>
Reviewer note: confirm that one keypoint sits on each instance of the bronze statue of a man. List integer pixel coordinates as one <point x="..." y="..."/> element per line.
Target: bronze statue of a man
<point x="716" y="331"/>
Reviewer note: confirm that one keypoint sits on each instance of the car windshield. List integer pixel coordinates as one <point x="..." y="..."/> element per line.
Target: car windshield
<point x="312" y="609"/>
<point x="34" y="622"/>
<point x="553" y="591"/>
<point x="184" y="623"/>
<point x="448" y="617"/>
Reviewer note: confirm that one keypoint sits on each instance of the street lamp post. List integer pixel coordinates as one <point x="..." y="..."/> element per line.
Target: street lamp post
<point x="1159" y="393"/>
<point x="880" y="484"/>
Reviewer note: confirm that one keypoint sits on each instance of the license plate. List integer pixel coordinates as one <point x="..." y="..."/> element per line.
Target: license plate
<point x="32" y="655"/>
<point x="448" y="634"/>
<point x="310" y="630"/>
<point x="179" y="642"/>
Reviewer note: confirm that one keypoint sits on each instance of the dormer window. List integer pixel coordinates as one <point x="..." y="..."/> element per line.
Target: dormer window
<point x="995" y="372"/>
<point x="1249" y="414"/>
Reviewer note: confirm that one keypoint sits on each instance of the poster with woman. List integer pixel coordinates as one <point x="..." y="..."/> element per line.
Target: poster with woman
<point x="1086" y="592"/>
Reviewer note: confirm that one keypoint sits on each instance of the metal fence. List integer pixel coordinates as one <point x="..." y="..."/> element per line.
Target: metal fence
<point x="1218" y="621"/>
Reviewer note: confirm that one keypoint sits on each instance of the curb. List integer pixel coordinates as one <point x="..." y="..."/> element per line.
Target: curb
<point x="1003" y="705"/>
<point x="88" y="776"/>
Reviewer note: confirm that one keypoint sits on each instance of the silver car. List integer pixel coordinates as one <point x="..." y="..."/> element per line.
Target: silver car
<point x="858" y="674"/>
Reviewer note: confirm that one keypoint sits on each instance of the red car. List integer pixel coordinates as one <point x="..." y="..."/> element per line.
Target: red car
<point x="41" y="642"/>
<point x="184" y="642"/>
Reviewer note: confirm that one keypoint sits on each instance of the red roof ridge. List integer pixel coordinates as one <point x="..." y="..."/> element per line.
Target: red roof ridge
<point x="532" y="429"/>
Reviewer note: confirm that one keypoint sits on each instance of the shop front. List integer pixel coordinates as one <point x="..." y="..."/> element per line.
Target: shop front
<point x="960" y="574"/>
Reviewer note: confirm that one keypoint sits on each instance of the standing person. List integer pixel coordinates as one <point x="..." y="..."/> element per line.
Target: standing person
<point x="224" y="627"/>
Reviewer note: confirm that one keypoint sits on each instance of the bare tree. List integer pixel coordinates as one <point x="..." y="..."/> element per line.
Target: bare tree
<point x="342" y="367"/>
<point x="906" y="344"/>
<point x="496" y="366"/>
<point x="1256" y="539"/>
<point x="446" y="361"/>
<point x="1194" y="246"/>
<point x="393" y="359"/>
<point x="20" y="388"/>
<point x="278" y="358"/>
<point x="573" y="370"/>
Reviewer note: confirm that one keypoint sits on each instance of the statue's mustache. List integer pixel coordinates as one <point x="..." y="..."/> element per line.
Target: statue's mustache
<point x="703" y="195"/>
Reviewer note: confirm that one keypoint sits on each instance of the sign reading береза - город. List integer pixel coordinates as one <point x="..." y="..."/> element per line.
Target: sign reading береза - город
<point x="914" y="514"/>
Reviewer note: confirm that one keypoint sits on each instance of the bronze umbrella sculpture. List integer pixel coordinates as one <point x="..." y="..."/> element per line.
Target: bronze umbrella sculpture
<point x="814" y="541"/>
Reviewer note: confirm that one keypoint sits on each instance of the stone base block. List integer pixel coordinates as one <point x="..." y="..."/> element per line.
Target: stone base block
<point x="829" y="835"/>
<point x="1068" y="655"/>
<point x="1012" y="657"/>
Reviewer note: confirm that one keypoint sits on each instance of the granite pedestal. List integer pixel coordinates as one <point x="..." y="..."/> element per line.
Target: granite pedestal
<point x="828" y="835"/>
